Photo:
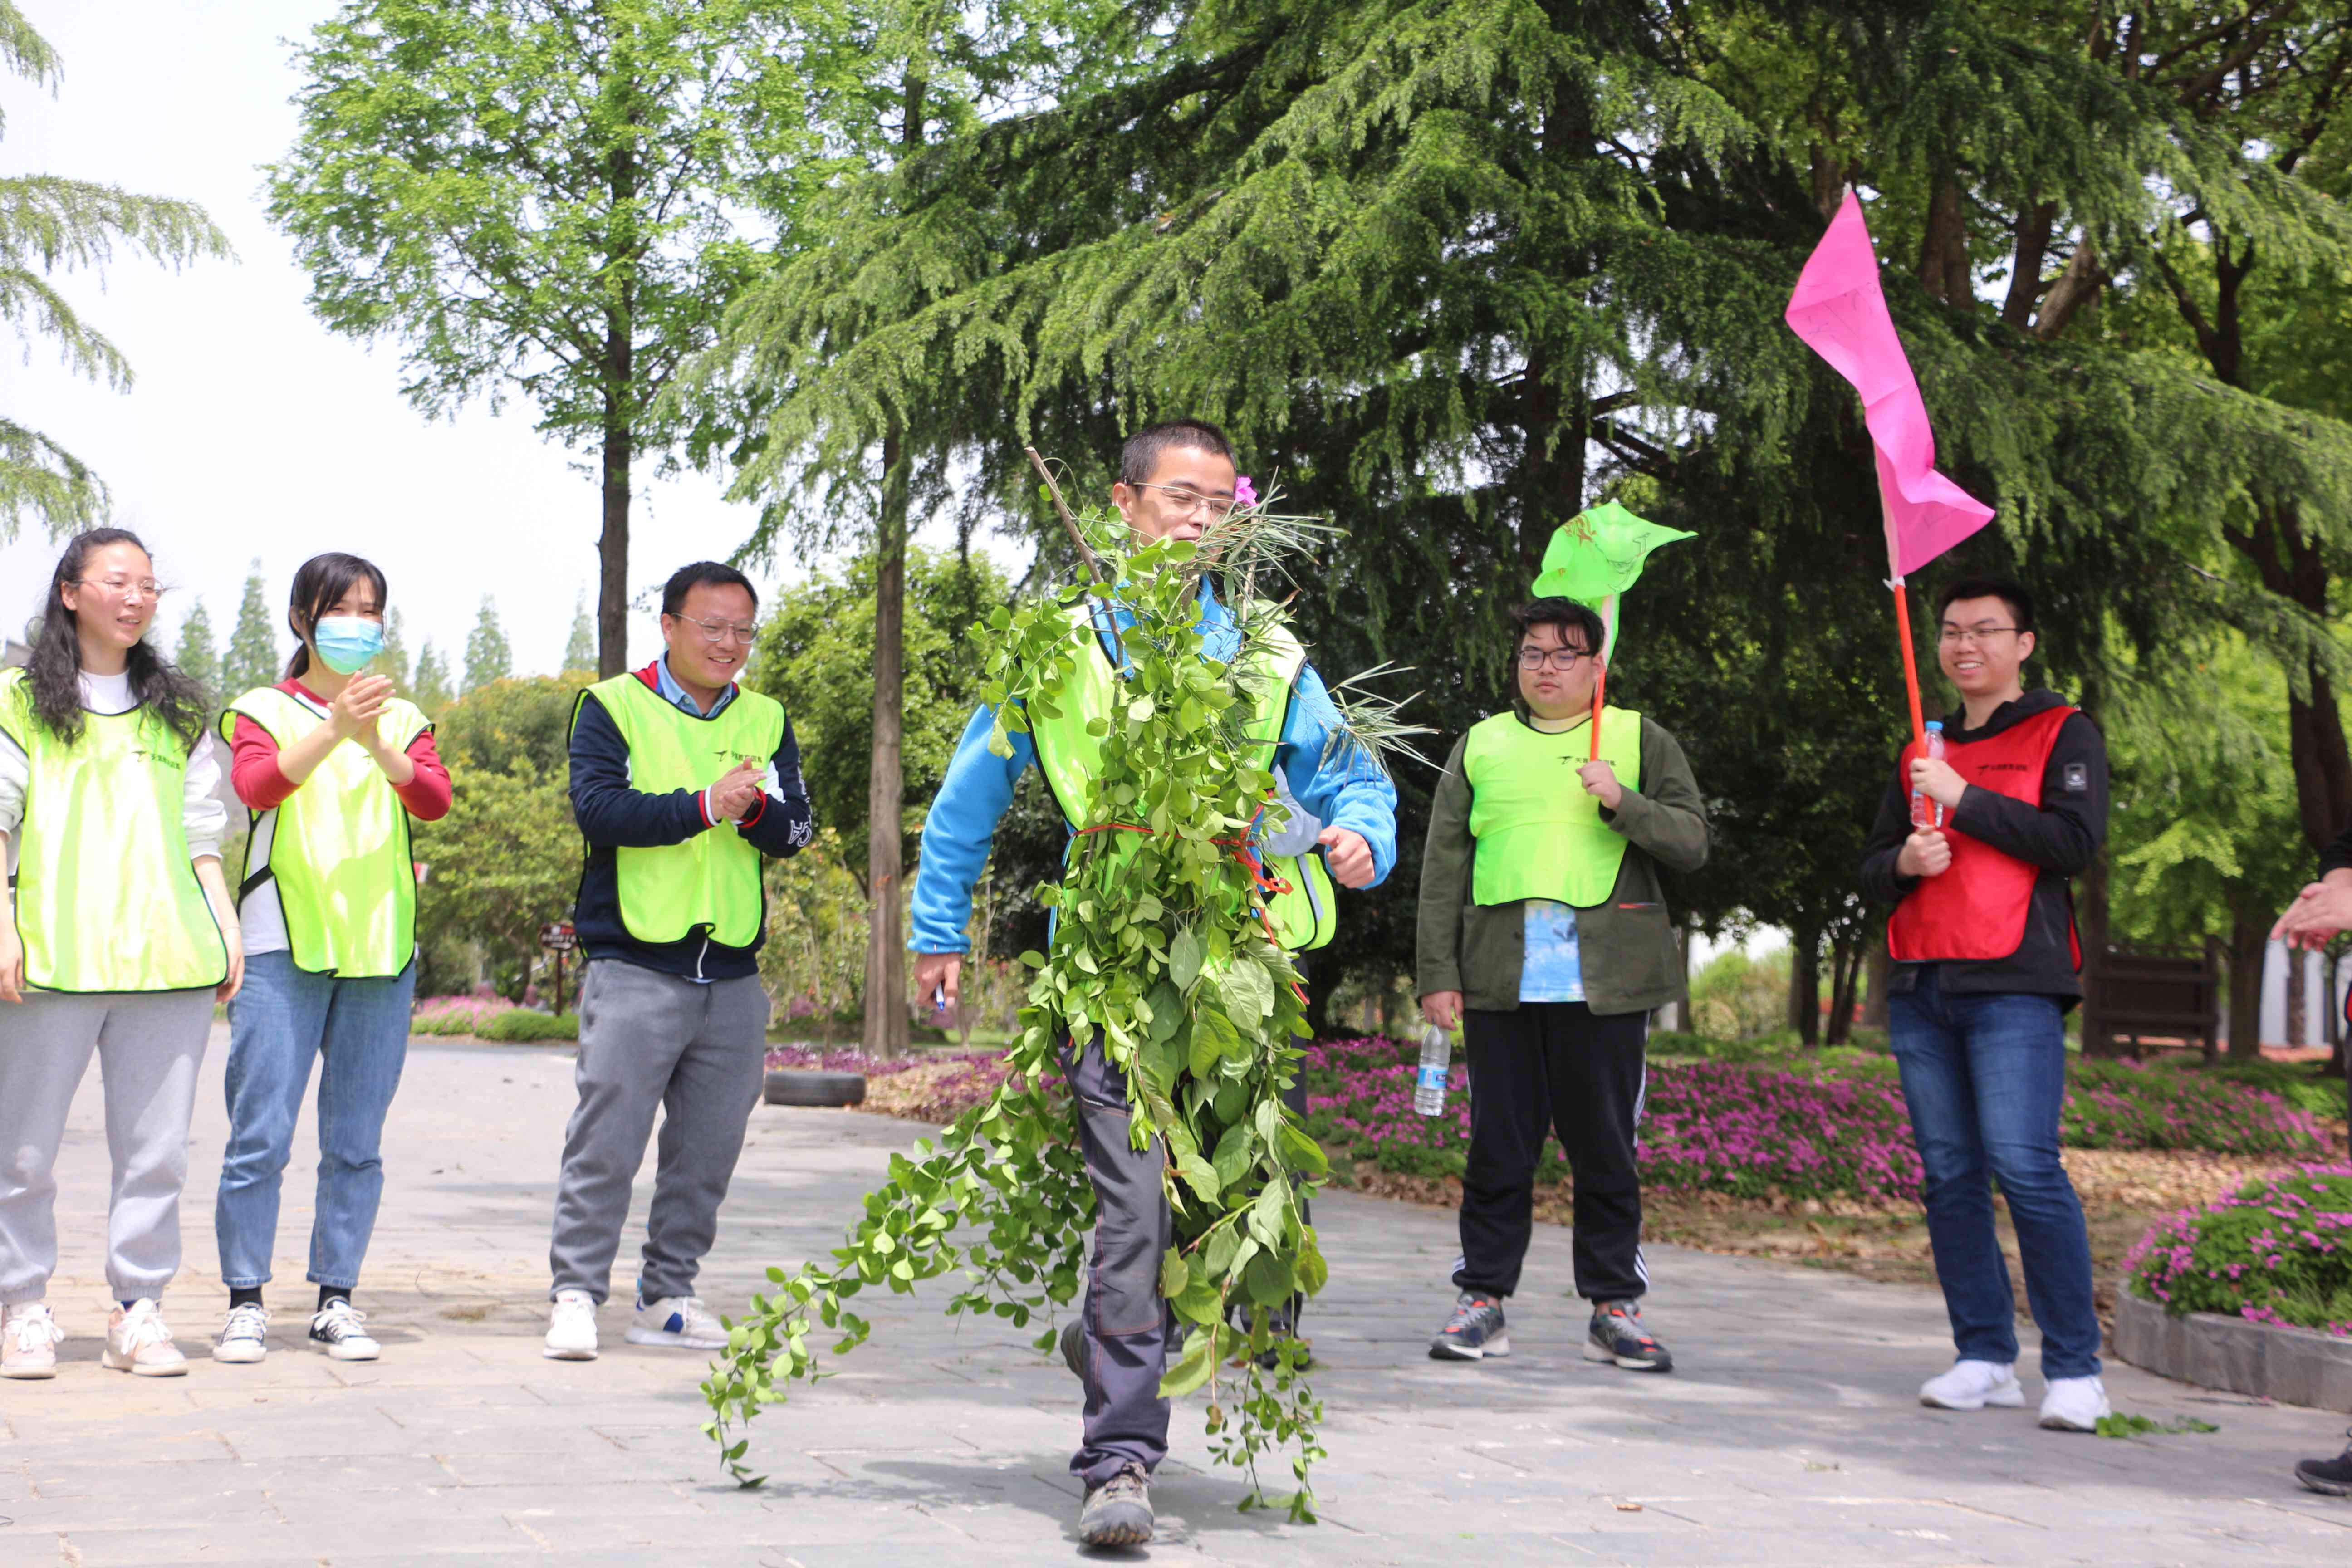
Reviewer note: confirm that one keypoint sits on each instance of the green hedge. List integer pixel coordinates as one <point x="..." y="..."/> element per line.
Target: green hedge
<point x="520" y="1024"/>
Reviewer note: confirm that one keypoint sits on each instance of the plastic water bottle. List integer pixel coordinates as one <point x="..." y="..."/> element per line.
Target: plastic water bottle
<point x="1925" y="813"/>
<point x="1436" y="1069"/>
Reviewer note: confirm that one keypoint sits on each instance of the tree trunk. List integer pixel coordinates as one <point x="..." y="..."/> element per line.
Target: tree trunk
<point x="2297" y="968"/>
<point x="1845" y="972"/>
<point x="1944" y="249"/>
<point x="2249" y="938"/>
<point x="2033" y="229"/>
<point x="612" y="545"/>
<point x="1880" y="964"/>
<point x="885" y="960"/>
<point x="2093" y="924"/>
<point x="1805" y="984"/>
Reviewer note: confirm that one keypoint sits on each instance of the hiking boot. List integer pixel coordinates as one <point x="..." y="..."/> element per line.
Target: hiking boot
<point x="1074" y="1348"/>
<point x="2075" y="1404"/>
<point x="1474" y="1332"/>
<point x="138" y="1342"/>
<point x="1617" y="1336"/>
<point x="29" y="1341"/>
<point x="244" y="1338"/>
<point x="337" y="1329"/>
<point x="1117" y="1512"/>
<point x="676" y="1322"/>
<point x="2331" y="1477"/>
<point x="1972" y="1385"/>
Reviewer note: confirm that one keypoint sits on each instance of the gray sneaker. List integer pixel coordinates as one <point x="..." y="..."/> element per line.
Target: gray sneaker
<point x="1118" y="1511"/>
<point x="1474" y="1332"/>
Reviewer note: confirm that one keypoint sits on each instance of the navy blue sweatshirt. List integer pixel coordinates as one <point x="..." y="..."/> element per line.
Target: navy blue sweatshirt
<point x="612" y="816"/>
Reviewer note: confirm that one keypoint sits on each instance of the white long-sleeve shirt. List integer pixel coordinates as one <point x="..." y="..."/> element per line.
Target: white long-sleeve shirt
<point x="204" y="814"/>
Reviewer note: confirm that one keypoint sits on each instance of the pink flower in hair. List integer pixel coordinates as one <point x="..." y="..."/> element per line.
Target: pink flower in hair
<point x="1245" y="493"/>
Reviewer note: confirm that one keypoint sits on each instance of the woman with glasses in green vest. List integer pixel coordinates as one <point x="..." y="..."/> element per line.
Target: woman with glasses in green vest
<point x="1544" y="935"/>
<point x="118" y="938"/>
<point x="332" y="764"/>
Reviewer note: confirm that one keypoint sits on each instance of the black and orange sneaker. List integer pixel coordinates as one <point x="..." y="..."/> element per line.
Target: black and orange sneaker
<point x="1473" y="1332"/>
<point x="2331" y="1477"/>
<point x="1617" y="1335"/>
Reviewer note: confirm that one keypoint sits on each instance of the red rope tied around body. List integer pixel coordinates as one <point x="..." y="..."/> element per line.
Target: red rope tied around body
<point x="1267" y="885"/>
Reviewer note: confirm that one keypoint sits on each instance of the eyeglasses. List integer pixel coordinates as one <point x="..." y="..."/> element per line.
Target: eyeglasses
<point x="1953" y="637"/>
<point x="744" y="632"/>
<point x="123" y="587"/>
<point x="1562" y="658"/>
<point x="1219" y="508"/>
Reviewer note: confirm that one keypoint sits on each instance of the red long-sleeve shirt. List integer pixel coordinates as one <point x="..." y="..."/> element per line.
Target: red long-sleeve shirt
<point x="258" y="781"/>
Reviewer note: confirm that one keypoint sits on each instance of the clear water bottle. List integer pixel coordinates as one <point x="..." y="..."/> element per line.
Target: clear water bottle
<point x="1436" y="1069"/>
<point x="1925" y="813"/>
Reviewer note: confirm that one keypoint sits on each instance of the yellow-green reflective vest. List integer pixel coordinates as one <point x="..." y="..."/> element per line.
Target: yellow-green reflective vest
<point x="711" y="882"/>
<point x="1305" y="915"/>
<point x="106" y="897"/>
<point x="1540" y="835"/>
<point x="339" y="849"/>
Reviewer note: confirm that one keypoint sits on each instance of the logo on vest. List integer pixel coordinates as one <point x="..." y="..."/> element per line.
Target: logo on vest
<point x="2004" y="768"/>
<point x="2077" y="777"/>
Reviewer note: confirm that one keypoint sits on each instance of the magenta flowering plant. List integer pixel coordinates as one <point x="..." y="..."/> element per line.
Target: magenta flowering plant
<point x="1244" y="492"/>
<point x="2278" y="1250"/>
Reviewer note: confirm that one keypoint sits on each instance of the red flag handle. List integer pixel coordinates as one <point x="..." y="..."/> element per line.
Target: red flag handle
<point x="1910" y="665"/>
<point x="1600" y="687"/>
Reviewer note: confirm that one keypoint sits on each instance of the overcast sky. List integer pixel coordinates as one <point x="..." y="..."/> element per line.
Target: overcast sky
<point x="254" y="432"/>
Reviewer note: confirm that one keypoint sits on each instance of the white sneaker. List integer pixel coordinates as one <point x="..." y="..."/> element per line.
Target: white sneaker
<point x="241" y="1338"/>
<point x="1972" y="1385"/>
<point x="29" y="1341"/>
<point x="2075" y="1403"/>
<point x="571" y="1328"/>
<point x="682" y="1323"/>
<point x="138" y="1343"/>
<point x="337" y="1330"/>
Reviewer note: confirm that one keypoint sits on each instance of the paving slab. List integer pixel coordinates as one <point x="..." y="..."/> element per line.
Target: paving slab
<point x="1789" y="1433"/>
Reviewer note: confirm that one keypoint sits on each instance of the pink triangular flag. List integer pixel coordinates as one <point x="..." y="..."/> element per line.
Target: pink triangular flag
<point x="1839" y="309"/>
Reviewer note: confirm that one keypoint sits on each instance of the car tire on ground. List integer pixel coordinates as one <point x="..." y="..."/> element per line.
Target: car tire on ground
<point x="807" y="1086"/>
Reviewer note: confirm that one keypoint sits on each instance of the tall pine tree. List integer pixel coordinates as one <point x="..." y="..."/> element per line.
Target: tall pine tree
<point x="432" y="692"/>
<point x="253" y="659"/>
<point x="394" y="660"/>
<point x="579" y="651"/>
<point x="195" y="654"/>
<point x="488" y="657"/>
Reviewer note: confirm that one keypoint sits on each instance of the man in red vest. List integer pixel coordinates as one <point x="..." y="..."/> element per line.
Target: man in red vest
<point x="1986" y="966"/>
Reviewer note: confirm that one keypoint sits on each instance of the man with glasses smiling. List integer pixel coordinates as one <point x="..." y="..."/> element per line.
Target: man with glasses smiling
<point x="682" y="781"/>
<point x="1986" y="965"/>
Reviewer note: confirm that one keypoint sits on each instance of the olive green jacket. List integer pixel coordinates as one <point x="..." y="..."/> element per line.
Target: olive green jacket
<point x="1627" y="944"/>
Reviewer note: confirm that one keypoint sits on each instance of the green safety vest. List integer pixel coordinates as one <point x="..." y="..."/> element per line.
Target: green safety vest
<point x="1306" y="911"/>
<point x="1538" y="835"/>
<point x="106" y="897"/>
<point x="711" y="882"/>
<point x="339" y="849"/>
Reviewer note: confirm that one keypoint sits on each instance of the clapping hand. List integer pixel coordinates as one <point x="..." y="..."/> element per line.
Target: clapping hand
<point x="354" y="710"/>
<point x="738" y="790"/>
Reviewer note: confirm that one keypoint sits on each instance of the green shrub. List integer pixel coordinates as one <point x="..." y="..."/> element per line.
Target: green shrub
<point x="521" y="1026"/>
<point x="2273" y="1252"/>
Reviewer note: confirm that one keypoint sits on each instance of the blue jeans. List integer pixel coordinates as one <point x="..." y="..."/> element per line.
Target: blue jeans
<point x="1985" y="1075"/>
<point x="358" y="1030"/>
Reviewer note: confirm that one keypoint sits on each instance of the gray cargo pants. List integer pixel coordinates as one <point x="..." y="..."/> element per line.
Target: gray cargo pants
<point x="650" y="1041"/>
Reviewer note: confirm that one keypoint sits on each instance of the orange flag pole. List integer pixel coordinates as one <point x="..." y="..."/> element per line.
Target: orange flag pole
<point x="1600" y="677"/>
<point x="1903" y="628"/>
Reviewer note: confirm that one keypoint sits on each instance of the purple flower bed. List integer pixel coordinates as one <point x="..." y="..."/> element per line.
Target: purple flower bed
<point x="457" y="1015"/>
<point x="1708" y="1126"/>
<point x="2121" y="1105"/>
<point x="842" y="1061"/>
<point x="2276" y="1251"/>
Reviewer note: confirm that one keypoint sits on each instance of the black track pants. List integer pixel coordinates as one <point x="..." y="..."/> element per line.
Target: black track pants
<point x="1553" y="1065"/>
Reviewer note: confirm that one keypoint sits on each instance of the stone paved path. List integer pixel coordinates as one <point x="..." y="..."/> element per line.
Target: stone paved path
<point x="1788" y="1436"/>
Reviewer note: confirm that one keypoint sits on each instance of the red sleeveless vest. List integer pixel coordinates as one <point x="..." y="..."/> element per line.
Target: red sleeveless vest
<point x="1977" y="909"/>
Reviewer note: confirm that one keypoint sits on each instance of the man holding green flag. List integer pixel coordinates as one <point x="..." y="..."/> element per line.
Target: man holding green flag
<point x="1544" y="936"/>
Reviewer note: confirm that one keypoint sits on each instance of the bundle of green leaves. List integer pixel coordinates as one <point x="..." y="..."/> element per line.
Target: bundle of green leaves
<point x="1162" y="953"/>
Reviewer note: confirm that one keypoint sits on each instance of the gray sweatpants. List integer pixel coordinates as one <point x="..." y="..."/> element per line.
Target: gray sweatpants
<point x="650" y="1042"/>
<point x="1125" y="1325"/>
<point x="149" y="1043"/>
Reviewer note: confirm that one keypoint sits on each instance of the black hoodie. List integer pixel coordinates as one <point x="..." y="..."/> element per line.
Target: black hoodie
<point x="2062" y="837"/>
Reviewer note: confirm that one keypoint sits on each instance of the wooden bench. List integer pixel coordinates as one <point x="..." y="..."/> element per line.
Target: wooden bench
<point x="2137" y="998"/>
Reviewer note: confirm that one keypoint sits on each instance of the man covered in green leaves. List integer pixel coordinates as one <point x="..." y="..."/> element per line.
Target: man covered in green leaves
<point x="1175" y="480"/>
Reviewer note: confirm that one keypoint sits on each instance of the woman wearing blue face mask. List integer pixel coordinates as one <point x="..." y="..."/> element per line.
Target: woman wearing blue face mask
<point x="332" y="765"/>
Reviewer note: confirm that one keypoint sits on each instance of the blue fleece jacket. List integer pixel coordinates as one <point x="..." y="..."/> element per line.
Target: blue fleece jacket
<point x="1340" y="785"/>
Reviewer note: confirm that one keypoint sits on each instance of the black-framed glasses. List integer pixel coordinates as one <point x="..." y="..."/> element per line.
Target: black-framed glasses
<point x="1559" y="658"/>
<point x="744" y="632"/>
<point x="1953" y="637"/>
<point x="1184" y="499"/>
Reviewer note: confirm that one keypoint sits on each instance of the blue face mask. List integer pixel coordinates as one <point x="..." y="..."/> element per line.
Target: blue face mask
<point x="348" y="642"/>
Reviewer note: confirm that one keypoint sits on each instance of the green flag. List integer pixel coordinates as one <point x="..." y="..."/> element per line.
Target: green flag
<point x="1597" y="556"/>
